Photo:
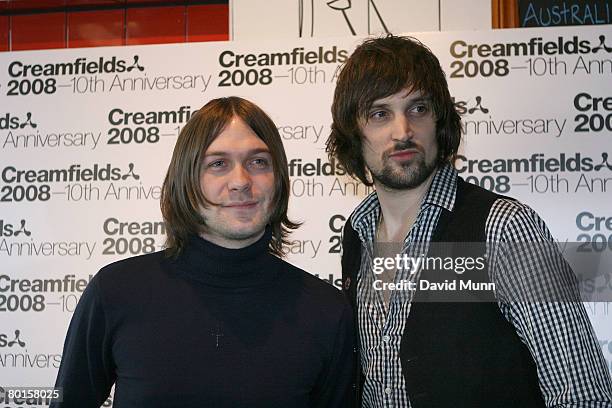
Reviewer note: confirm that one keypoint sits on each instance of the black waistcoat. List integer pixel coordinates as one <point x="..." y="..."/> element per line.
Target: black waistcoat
<point x="456" y="354"/>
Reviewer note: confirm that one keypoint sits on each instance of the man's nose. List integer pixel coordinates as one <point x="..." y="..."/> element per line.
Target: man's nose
<point x="239" y="179"/>
<point x="402" y="128"/>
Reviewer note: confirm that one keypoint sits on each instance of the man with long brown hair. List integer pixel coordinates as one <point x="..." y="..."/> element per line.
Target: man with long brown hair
<point x="218" y="319"/>
<point x="526" y="343"/>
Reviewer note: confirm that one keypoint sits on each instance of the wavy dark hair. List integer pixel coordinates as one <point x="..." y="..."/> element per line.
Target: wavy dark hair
<point x="181" y="193"/>
<point x="378" y="68"/>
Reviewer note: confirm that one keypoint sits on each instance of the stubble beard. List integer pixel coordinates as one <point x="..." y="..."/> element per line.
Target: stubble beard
<point x="406" y="176"/>
<point x="230" y="228"/>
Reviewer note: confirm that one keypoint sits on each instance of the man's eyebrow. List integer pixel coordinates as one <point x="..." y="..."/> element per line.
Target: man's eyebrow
<point x="379" y="104"/>
<point x="424" y="98"/>
<point x="228" y="153"/>
<point x="420" y="99"/>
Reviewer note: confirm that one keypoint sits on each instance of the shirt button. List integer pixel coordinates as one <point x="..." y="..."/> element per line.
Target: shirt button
<point x="388" y="391"/>
<point x="386" y="338"/>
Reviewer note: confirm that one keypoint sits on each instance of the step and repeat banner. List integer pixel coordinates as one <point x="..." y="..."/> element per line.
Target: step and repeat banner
<point x="86" y="136"/>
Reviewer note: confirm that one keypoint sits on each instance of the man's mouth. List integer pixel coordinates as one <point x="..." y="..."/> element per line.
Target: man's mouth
<point x="241" y="205"/>
<point x="405" y="154"/>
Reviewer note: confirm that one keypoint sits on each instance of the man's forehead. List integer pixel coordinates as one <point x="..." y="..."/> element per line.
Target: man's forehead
<point x="406" y="93"/>
<point x="236" y="138"/>
<point x="236" y="150"/>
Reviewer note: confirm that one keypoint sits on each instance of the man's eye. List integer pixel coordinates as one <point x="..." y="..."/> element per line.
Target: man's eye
<point x="217" y="164"/>
<point x="377" y="115"/>
<point x="260" y="163"/>
<point x="420" y="108"/>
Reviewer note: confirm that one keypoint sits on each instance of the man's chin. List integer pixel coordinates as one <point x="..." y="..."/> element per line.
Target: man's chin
<point x="405" y="178"/>
<point x="245" y="233"/>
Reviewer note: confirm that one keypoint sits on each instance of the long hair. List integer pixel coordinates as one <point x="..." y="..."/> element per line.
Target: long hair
<point x="379" y="68"/>
<point x="181" y="193"/>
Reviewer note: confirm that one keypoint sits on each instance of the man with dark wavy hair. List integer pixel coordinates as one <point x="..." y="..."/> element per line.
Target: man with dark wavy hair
<point x="395" y="127"/>
<point x="218" y="319"/>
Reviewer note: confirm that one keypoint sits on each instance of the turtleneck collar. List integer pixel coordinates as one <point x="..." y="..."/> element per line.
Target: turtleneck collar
<point x="218" y="266"/>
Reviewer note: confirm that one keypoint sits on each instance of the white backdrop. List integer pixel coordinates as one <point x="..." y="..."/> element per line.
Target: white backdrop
<point x="86" y="136"/>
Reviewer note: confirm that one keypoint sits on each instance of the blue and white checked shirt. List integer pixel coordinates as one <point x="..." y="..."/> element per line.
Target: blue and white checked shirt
<point x="571" y="368"/>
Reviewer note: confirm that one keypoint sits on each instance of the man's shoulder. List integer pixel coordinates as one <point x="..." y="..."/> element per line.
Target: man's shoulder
<point x="506" y="207"/>
<point x="505" y="216"/>
<point x="134" y="263"/>
<point x="312" y="286"/>
<point x="513" y="220"/>
<point x="129" y="271"/>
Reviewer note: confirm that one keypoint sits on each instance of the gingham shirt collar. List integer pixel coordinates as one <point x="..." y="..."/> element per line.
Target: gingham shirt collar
<point x="442" y="193"/>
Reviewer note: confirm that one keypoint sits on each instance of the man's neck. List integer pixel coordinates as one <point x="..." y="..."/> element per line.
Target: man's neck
<point x="231" y="243"/>
<point x="399" y="209"/>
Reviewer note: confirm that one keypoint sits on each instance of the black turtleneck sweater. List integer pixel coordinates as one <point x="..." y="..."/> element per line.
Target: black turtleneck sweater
<point x="213" y="328"/>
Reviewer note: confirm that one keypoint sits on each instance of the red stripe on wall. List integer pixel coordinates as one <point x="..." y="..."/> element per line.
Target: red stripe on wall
<point x="4" y="33"/>
<point x="155" y="25"/>
<point x="208" y="23"/>
<point x="96" y="28"/>
<point x="123" y="26"/>
<point x="38" y="31"/>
